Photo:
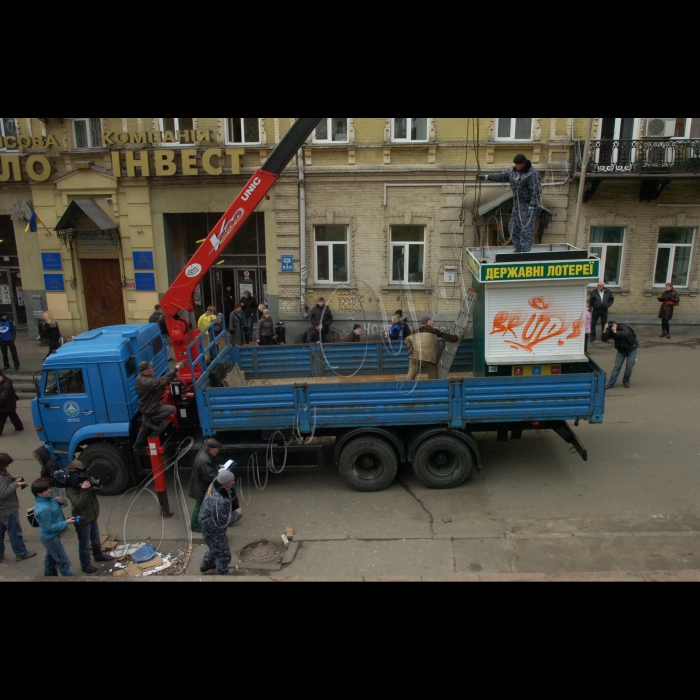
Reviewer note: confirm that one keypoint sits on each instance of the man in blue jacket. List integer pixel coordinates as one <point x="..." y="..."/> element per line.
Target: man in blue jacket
<point x="527" y="193"/>
<point x="8" y="332"/>
<point x="52" y="524"/>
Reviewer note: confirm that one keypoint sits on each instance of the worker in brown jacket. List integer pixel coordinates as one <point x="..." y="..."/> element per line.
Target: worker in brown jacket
<point x="423" y="348"/>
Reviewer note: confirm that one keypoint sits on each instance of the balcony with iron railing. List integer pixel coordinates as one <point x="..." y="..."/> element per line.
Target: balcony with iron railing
<point x="644" y="157"/>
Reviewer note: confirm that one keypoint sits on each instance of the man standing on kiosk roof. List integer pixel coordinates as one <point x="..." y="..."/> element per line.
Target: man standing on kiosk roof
<point x="527" y="194"/>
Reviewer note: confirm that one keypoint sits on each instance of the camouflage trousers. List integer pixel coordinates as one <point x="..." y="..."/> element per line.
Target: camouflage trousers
<point x="219" y="554"/>
<point x="522" y="228"/>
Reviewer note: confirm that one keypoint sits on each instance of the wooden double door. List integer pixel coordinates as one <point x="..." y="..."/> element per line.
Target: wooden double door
<point x="104" y="297"/>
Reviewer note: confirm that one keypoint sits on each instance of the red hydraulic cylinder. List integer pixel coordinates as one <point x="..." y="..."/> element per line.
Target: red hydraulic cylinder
<point x="156" y="452"/>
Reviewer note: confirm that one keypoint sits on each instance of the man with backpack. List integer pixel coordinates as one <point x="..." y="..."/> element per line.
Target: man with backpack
<point x="626" y="344"/>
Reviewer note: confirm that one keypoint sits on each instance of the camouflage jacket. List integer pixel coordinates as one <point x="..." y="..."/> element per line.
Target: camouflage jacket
<point x="217" y="507"/>
<point x="527" y="186"/>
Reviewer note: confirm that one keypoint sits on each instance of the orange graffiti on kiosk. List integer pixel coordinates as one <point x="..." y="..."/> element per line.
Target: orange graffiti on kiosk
<point x="539" y="328"/>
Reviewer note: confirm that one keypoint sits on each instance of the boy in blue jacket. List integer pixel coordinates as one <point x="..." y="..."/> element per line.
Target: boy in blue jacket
<point x="52" y="523"/>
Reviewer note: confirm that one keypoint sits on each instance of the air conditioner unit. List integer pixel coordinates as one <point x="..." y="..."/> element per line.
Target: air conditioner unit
<point x="661" y="127"/>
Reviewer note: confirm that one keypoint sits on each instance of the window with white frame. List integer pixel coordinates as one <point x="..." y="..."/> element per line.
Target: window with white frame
<point x="407" y="129"/>
<point x="331" y="253"/>
<point x="8" y="127"/>
<point x="607" y="242"/>
<point x="687" y="128"/>
<point x="514" y="129"/>
<point x="87" y="132"/>
<point x="408" y="254"/>
<point x="332" y="130"/>
<point x="176" y="124"/>
<point x="243" y="130"/>
<point x="674" y="252"/>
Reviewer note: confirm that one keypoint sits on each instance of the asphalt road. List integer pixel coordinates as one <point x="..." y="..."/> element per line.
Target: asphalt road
<point x="537" y="509"/>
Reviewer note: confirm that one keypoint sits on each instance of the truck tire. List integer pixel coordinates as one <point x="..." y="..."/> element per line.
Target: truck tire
<point x="107" y="463"/>
<point x="443" y="462"/>
<point x="368" y="464"/>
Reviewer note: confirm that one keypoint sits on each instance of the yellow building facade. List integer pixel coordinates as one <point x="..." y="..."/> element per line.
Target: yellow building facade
<point x="374" y="215"/>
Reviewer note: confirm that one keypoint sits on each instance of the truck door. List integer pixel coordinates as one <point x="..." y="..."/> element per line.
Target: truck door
<point x="65" y="404"/>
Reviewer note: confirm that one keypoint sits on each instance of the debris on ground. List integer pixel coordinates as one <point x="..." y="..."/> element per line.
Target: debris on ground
<point x="447" y="520"/>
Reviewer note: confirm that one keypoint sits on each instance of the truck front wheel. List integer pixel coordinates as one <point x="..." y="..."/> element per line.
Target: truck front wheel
<point x="368" y="464"/>
<point x="443" y="462"/>
<point x="107" y="463"/>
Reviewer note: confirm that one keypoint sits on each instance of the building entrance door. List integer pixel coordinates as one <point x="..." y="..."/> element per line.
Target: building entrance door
<point x="104" y="298"/>
<point x="12" y="297"/>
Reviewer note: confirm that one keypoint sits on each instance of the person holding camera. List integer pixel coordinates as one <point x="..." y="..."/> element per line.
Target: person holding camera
<point x="626" y="344"/>
<point x="9" y="512"/>
<point x="52" y="524"/>
<point x="82" y="493"/>
<point x="219" y="511"/>
<point x="205" y="469"/>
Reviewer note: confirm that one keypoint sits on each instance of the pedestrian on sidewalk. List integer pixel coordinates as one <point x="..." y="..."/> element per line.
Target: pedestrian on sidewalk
<point x="626" y="344"/>
<point x="8" y="333"/>
<point x="205" y="469"/>
<point x="589" y="320"/>
<point x="9" y="511"/>
<point x="8" y="405"/>
<point x="669" y="300"/>
<point x="356" y="335"/>
<point x="601" y="299"/>
<point x="83" y="498"/>
<point x="52" y="524"/>
<point x="266" y="330"/>
<point x="238" y="326"/>
<point x="51" y="332"/>
<point x="218" y="513"/>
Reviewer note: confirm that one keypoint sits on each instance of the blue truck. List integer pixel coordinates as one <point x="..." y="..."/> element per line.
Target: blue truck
<point x="87" y="408"/>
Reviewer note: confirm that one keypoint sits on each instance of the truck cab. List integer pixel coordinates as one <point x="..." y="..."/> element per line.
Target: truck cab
<point x="86" y="399"/>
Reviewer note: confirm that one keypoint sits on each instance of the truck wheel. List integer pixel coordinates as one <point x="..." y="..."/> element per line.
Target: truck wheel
<point x="443" y="462"/>
<point x="368" y="464"/>
<point x="107" y="463"/>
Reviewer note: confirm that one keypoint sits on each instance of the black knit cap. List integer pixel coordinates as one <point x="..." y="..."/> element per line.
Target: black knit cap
<point x="520" y="159"/>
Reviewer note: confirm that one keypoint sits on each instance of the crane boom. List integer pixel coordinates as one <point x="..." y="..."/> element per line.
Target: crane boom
<point x="180" y="295"/>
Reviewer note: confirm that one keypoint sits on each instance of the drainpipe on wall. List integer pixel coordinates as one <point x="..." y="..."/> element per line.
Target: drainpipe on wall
<point x="302" y="228"/>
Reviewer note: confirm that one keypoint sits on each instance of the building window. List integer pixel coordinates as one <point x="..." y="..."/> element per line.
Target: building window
<point x="332" y="130"/>
<point x="607" y="242"/>
<point x="407" y="129"/>
<point x="88" y="132"/>
<point x="181" y="124"/>
<point x="331" y="253"/>
<point x="673" y="254"/>
<point x="687" y="128"/>
<point x="408" y="254"/>
<point x="8" y="127"/>
<point x="514" y="129"/>
<point x="243" y="130"/>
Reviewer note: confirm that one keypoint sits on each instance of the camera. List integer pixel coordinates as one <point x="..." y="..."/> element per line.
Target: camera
<point x="21" y="482"/>
<point x="73" y="478"/>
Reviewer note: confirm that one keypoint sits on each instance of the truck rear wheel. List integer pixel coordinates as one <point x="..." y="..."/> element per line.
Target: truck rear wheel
<point x="368" y="464"/>
<point x="107" y="463"/>
<point x="443" y="462"/>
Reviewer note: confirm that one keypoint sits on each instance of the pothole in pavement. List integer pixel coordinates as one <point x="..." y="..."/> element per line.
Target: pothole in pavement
<point x="263" y="552"/>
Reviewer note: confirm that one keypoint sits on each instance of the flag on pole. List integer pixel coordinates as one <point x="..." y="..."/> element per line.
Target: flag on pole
<point x="34" y="222"/>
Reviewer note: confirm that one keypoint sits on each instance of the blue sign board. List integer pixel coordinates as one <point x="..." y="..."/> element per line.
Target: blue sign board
<point x="143" y="260"/>
<point x="145" y="281"/>
<point x="51" y="261"/>
<point x="54" y="283"/>
<point x="287" y="263"/>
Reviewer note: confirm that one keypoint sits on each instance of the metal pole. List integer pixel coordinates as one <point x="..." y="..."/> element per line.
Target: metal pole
<point x="582" y="183"/>
<point x="302" y="228"/>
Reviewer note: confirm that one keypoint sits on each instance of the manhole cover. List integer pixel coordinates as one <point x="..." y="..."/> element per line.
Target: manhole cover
<point x="261" y="552"/>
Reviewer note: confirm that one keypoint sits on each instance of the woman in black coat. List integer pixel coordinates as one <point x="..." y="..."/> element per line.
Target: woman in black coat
<point x="669" y="300"/>
<point x="51" y="332"/>
<point x="8" y="405"/>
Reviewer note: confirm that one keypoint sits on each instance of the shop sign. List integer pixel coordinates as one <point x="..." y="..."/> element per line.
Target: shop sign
<point x="99" y="246"/>
<point x="517" y="272"/>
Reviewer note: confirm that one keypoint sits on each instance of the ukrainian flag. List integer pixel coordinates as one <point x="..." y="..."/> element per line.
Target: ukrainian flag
<point x="33" y="224"/>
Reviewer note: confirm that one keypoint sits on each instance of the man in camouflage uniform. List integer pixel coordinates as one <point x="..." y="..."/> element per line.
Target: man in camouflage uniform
<point x="527" y="194"/>
<point x="218" y="511"/>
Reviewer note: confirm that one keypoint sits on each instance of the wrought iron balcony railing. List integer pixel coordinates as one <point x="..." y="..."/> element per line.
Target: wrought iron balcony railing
<point x="642" y="157"/>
